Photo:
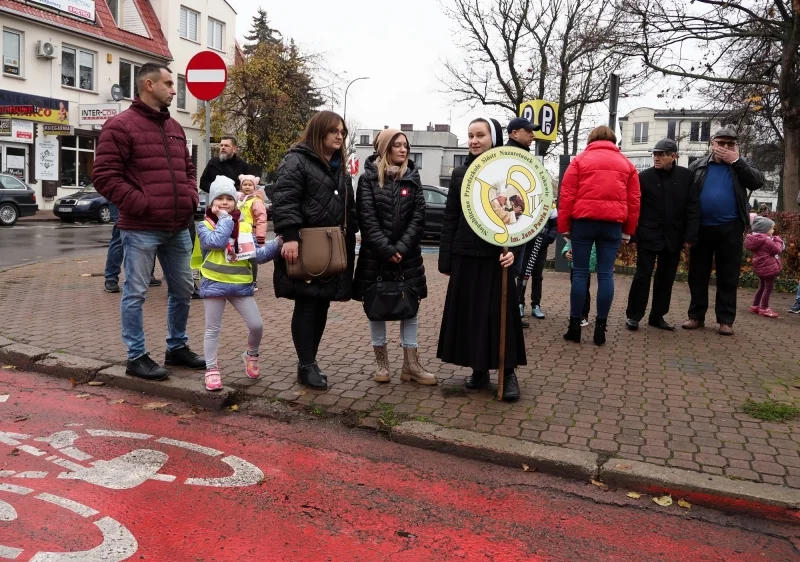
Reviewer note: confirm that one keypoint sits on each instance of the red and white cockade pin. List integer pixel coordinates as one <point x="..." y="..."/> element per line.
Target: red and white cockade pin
<point x="404" y="192"/>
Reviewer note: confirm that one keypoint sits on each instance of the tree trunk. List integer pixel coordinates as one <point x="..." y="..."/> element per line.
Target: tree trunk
<point x="791" y="169"/>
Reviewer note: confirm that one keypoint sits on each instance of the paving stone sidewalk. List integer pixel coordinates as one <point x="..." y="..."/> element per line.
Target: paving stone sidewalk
<point x="667" y="398"/>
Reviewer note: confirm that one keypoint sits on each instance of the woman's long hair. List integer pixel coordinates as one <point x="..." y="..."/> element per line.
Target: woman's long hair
<point x="385" y="164"/>
<point x="318" y="127"/>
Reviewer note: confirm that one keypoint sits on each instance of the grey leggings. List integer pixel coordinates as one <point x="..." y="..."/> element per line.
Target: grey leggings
<point x="247" y="309"/>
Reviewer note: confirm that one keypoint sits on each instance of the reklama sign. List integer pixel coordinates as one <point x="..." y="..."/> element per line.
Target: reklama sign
<point x="98" y="114"/>
<point x="15" y="105"/>
<point x="83" y="9"/>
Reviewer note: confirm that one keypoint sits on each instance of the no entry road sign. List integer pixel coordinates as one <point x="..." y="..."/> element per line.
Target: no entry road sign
<point x="206" y="75"/>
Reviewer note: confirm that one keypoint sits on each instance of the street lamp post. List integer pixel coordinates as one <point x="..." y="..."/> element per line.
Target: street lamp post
<point x="344" y="117"/>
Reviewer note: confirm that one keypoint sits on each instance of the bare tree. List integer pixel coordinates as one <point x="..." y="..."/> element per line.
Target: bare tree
<point x="352" y="126"/>
<point x="745" y="52"/>
<point x="517" y="50"/>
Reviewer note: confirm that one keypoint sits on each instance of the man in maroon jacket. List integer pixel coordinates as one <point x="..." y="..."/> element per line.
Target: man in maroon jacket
<point x="143" y="166"/>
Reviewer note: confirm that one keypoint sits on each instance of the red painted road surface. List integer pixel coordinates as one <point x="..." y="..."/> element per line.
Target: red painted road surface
<point x="109" y="480"/>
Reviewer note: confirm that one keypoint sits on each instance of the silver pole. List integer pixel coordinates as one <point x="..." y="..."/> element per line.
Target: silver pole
<point x="208" y="131"/>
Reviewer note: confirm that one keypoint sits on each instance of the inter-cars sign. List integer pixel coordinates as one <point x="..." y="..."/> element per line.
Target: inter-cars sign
<point x="98" y="114"/>
<point x="83" y="9"/>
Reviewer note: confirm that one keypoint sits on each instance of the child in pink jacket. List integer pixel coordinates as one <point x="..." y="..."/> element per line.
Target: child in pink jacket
<point x="254" y="212"/>
<point x="766" y="250"/>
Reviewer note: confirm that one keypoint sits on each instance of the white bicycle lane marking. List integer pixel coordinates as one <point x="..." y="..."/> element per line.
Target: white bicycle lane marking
<point x="118" y="542"/>
<point x="129" y="470"/>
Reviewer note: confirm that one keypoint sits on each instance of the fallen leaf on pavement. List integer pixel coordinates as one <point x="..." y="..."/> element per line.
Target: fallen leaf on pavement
<point x="186" y="416"/>
<point x="21" y="418"/>
<point x="299" y="392"/>
<point x="406" y="534"/>
<point x="14" y="452"/>
<point x="233" y="408"/>
<point x="663" y="501"/>
<point x="599" y="484"/>
<point x="525" y="467"/>
<point x="81" y="261"/>
<point x="82" y="395"/>
<point x="73" y="382"/>
<point x="10" y="367"/>
<point x="120" y="401"/>
<point x="634" y="495"/>
<point x="155" y="405"/>
<point x="86" y="274"/>
<point x="684" y="504"/>
<point x="623" y="466"/>
<point x="96" y="383"/>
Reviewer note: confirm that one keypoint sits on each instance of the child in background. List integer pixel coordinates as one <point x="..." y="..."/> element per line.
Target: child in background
<point x="227" y="279"/>
<point x="567" y="253"/>
<point x="766" y="250"/>
<point x="254" y="213"/>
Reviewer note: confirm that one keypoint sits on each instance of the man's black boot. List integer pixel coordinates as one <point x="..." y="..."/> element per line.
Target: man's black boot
<point x="308" y="375"/>
<point x="146" y="368"/>
<point x="478" y="380"/>
<point x="510" y="386"/>
<point x="184" y="357"/>
<point x="632" y="324"/>
<point x="600" y="331"/>
<point x="573" y="330"/>
<point x="661" y="324"/>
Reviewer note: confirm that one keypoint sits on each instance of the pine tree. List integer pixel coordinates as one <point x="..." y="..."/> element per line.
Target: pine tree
<point x="261" y="33"/>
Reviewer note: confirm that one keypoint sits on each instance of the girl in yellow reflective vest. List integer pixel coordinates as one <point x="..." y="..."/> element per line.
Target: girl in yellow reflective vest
<point x="254" y="212"/>
<point x="224" y="278"/>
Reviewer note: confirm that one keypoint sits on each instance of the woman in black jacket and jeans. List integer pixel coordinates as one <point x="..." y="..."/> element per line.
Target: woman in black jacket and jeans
<point x="391" y="213"/>
<point x="470" y="333"/>
<point x="313" y="190"/>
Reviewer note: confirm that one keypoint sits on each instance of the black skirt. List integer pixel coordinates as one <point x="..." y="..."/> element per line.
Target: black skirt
<point x="470" y="332"/>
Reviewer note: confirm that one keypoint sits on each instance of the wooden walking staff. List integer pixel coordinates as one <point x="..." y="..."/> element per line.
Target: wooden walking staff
<point x="501" y="373"/>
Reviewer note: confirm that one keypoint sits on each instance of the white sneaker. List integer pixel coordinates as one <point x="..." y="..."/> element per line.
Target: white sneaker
<point x="584" y="322"/>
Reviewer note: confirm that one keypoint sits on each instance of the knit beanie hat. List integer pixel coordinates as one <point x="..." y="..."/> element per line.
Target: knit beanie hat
<point x="762" y="224"/>
<point x="223" y="185"/>
<point x="385" y="139"/>
<point x="246" y="177"/>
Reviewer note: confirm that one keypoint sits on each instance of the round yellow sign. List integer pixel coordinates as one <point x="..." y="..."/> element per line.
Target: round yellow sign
<point x="507" y="196"/>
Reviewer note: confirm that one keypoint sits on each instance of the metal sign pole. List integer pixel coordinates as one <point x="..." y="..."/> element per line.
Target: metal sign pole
<point x="208" y="131"/>
<point x="501" y="367"/>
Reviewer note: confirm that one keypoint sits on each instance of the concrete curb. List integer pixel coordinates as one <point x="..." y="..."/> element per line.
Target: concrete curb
<point x="496" y="449"/>
<point x="83" y="370"/>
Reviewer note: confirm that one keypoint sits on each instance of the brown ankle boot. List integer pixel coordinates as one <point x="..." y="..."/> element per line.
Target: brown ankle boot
<point x="382" y="362"/>
<point x="412" y="369"/>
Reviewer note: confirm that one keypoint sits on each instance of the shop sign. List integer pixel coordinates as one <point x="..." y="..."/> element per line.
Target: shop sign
<point x="46" y="159"/>
<point x="98" y="114"/>
<point x="83" y="9"/>
<point x="5" y="127"/>
<point x="56" y="130"/>
<point x="22" y="131"/>
<point x="16" y="105"/>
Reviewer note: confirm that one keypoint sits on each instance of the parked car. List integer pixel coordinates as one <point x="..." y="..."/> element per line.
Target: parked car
<point x="16" y="200"/>
<point x="435" y="201"/>
<point x="85" y="204"/>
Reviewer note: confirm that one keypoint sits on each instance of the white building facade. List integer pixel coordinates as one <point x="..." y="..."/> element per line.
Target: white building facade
<point x="60" y="66"/>
<point x="435" y="151"/>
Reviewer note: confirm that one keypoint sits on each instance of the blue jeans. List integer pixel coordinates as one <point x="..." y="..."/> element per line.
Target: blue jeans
<point x="114" y="256"/>
<point x="408" y="332"/>
<point x="174" y="252"/>
<point x="798" y="289"/>
<point x="607" y="236"/>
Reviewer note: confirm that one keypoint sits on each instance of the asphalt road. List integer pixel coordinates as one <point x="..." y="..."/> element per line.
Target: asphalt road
<point x="28" y="242"/>
<point x="109" y="475"/>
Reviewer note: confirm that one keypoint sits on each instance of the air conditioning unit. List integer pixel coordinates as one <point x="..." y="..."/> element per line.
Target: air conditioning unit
<point x="45" y="50"/>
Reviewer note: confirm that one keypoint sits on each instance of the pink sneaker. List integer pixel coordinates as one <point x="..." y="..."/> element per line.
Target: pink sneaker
<point x="251" y="365"/>
<point x="769" y="313"/>
<point x="213" y="380"/>
<point x="755" y="309"/>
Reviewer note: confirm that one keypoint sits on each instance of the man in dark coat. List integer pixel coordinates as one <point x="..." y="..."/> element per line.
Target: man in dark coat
<point x="669" y="221"/>
<point x="725" y="182"/>
<point x="226" y="164"/>
<point x="143" y="167"/>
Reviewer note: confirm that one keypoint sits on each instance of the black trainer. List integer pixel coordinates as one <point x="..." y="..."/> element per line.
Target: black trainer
<point x="632" y="324"/>
<point x="478" y="380"/>
<point x="111" y="286"/>
<point x="661" y="324"/>
<point x="146" y="368"/>
<point x="154" y="282"/>
<point x="184" y="357"/>
<point x="510" y="386"/>
<point x="308" y="375"/>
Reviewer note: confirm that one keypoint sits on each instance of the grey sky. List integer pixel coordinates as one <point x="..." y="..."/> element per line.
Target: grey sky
<point x="400" y="46"/>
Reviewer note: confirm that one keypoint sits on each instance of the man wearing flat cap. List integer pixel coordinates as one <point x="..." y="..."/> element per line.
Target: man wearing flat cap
<point x="725" y="182"/>
<point x="669" y="221"/>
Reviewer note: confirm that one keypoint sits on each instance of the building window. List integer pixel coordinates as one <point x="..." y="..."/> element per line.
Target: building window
<point x="692" y="159"/>
<point x="77" y="68"/>
<point x="190" y="21"/>
<point x="181" y="92"/>
<point x="77" y="161"/>
<point x="640" y="132"/>
<point x="215" y="32"/>
<point x="700" y="131"/>
<point x="12" y="52"/>
<point x="127" y="79"/>
<point x="458" y="160"/>
<point x="114" y="6"/>
<point x="416" y="158"/>
<point x="364" y="139"/>
<point x="672" y="127"/>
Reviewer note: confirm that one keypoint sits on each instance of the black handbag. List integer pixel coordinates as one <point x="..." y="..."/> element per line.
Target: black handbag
<point x="390" y="300"/>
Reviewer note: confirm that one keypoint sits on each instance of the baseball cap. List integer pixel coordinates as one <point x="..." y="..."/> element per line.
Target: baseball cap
<point x="521" y="123"/>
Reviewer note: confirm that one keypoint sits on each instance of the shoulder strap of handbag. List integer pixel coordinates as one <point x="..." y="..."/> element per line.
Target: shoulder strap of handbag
<point x="344" y="217"/>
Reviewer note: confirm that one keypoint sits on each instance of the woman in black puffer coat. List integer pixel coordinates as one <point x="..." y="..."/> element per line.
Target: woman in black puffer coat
<point x="391" y="212"/>
<point x="313" y="190"/>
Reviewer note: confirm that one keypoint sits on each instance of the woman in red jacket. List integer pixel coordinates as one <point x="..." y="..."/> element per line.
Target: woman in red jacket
<point x="598" y="204"/>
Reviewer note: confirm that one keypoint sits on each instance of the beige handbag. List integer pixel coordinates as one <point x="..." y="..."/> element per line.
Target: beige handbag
<point x="322" y="253"/>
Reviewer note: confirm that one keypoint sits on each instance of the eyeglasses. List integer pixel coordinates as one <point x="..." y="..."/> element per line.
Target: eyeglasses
<point x="729" y="144"/>
<point x="338" y="132"/>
